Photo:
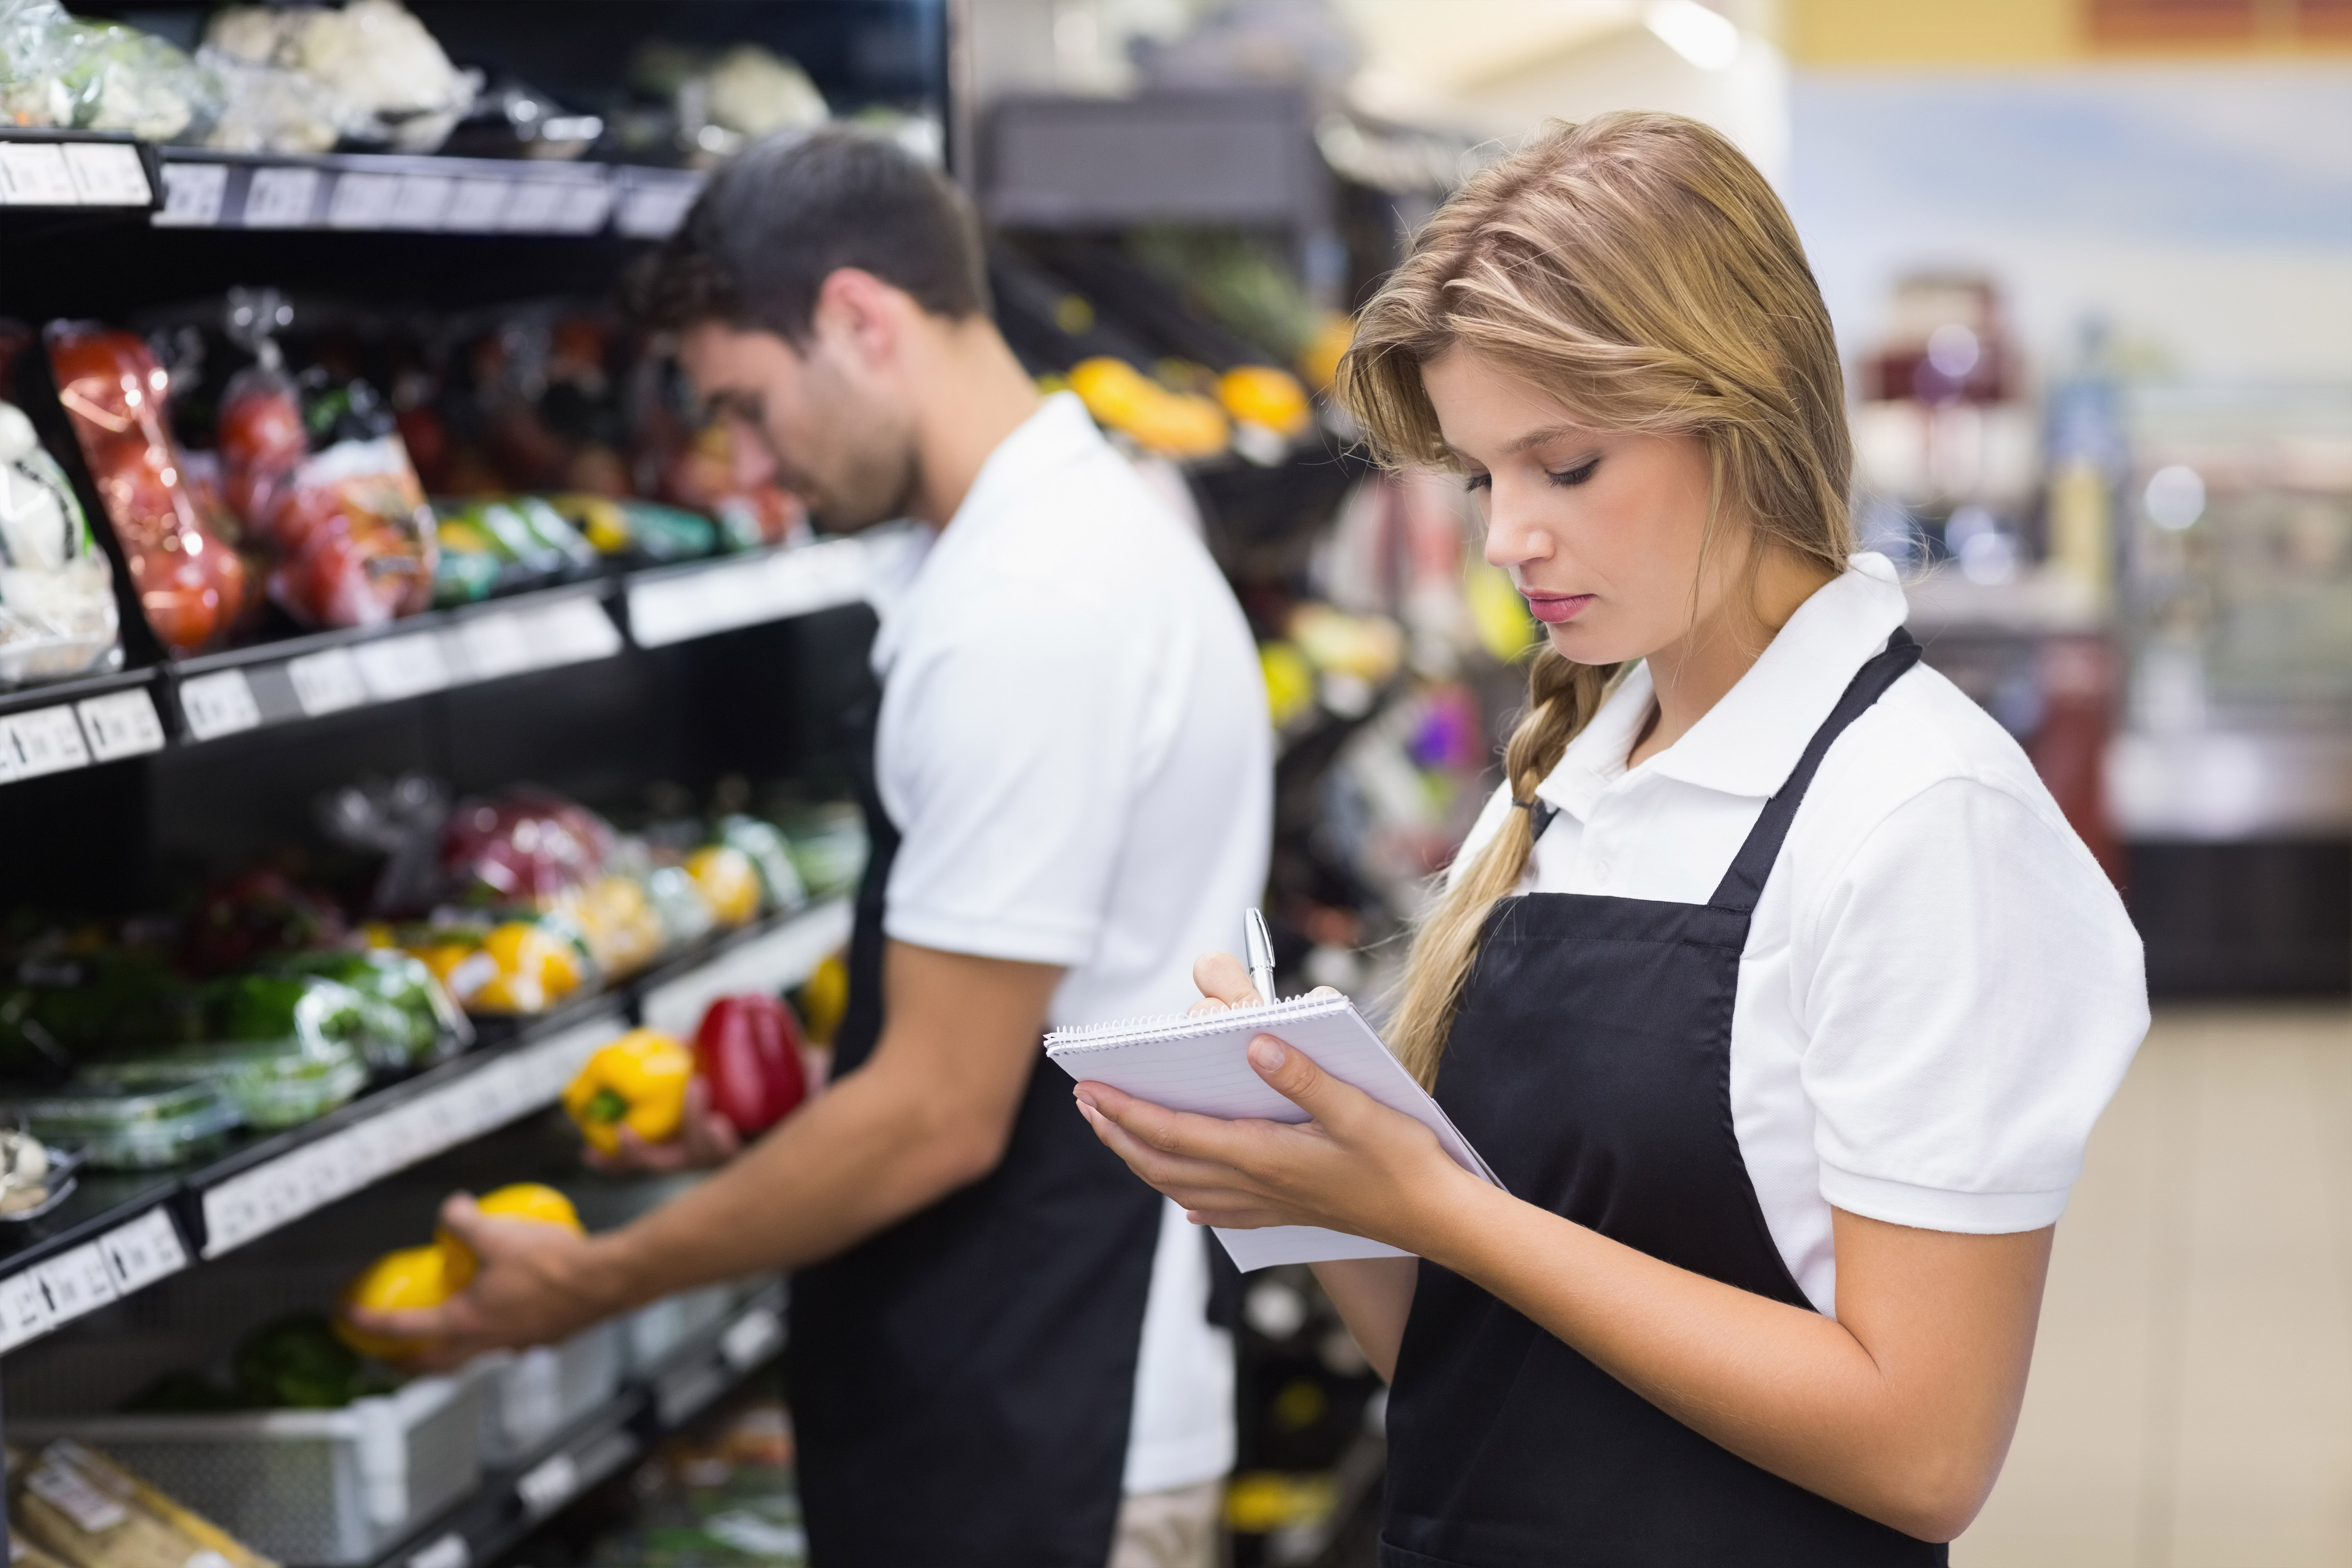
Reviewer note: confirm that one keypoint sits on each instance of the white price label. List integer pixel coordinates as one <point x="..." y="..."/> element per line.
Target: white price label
<point x="121" y="725"/>
<point x="364" y="201"/>
<point x="421" y="200"/>
<point x="450" y="1551"/>
<point x="23" y="1310"/>
<point x="547" y="1485"/>
<point x="585" y="208"/>
<point x="327" y="682"/>
<point x="478" y="206"/>
<point x="532" y="207"/>
<point x="192" y="195"/>
<point x="409" y="666"/>
<point x="218" y="704"/>
<point x="108" y="174"/>
<point x="280" y="198"/>
<point x="34" y="174"/>
<point x="655" y="211"/>
<point x="78" y="1282"/>
<point x="493" y="646"/>
<point x="751" y="1338"/>
<point x="572" y="631"/>
<point x="145" y="1250"/>
<point x="46" y="741"/>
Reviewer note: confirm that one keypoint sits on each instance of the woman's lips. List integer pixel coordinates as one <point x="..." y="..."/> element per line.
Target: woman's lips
<point x="1554" y="608"/>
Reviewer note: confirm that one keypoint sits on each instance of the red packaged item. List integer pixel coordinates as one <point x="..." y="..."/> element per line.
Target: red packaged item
<point x="261" y="441"/>
<point x="353" y="537"/>
<point x="190" y="584"/>
<point x="524" y="846"/>
<point x="747" y="1051"/>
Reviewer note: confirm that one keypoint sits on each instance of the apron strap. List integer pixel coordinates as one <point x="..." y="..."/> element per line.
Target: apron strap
<point x="1744" y="883"/>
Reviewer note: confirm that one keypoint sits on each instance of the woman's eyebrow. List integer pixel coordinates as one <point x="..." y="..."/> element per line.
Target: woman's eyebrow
<point x="1549" y="432"/>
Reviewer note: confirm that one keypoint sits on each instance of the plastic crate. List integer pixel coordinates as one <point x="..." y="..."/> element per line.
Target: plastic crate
<point x="654" y="1332"/>
<point x="530" y="1395"/>
<point x="328" y="1488"/>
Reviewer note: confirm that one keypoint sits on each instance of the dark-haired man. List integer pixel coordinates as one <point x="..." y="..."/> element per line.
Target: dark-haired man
<point x="997" y="1334"/>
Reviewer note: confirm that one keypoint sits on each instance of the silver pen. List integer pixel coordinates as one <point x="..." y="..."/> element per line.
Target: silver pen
<point x="1261" y="953"/>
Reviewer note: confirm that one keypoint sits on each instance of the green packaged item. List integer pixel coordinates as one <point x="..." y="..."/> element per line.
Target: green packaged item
<point x="132" y="1127"/>
<point x="496" y="546"/>
<point x="57" y="1004"/>
<point x="639" y="532"/>
<point x="684" y="914"/>
<point x="407" y="1019"/>
<point x="828" y="847"/>
<point x="298" y="1364"/>
<point x="780" y="887"/>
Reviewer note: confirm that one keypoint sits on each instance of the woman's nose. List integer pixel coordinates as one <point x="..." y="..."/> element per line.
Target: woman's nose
<point x="1513" y="539"/>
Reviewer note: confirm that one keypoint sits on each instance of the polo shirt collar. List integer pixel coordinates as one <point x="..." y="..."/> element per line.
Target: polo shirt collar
<point x="1059" y="433"/>
<point x="1748" y="744"/>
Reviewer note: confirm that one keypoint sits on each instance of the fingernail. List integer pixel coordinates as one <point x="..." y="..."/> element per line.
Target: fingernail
<point x="1266" y="1053"/>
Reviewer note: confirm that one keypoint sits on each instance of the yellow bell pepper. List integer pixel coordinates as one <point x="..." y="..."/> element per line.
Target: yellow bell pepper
<point x="1267" y="396"/>
<point x="532" y="1201"/>
<point x="638" y="1082"/>
<point x="822" y="999"/>
<point x="411" y="1276"/>
<point x="728" y="881"/>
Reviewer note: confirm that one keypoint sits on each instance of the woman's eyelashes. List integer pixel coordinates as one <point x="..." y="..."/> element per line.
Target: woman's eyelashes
<point x="1575" y="475"/>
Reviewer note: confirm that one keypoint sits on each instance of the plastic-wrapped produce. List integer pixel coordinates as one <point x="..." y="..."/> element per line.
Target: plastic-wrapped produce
<point x="354" y="538"/>
<point x="385" y="77"/>
<point x="190" y="584"/>
<point x="269" y="109"/>
<point x="57" y="590"/>
<point x="525" y="846"/>
<point x="57" y="69"/>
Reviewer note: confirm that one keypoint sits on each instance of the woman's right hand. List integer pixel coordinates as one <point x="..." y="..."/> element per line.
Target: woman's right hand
<point x="1224" y="983"/>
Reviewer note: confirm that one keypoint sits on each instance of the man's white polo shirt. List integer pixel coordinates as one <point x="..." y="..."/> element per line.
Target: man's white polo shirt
<point x="1073" y="746"/>
<point x="1940" y="990"/>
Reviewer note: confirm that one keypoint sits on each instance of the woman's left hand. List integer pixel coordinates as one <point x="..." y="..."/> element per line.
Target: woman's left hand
<point x="1357" y="1166"/>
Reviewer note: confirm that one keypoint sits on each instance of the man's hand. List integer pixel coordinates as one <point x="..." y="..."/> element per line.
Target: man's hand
<point x="704" y="1140"/>
<point x="532" y="1284"/>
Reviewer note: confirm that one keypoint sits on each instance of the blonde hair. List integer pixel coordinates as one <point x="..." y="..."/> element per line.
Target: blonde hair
<point x="1639" y="269"/>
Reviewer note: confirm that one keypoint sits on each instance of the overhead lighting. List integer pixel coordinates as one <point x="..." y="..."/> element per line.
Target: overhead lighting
<point x="1708" y="39"/>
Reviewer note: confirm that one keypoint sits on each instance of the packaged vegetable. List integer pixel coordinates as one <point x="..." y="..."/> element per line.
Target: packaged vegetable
<point x="499" y="546"/>
<point x="1262" y="394"/>
<point x="534" y="1203"/>
<point x="300" y="1362"/>
<point x="747" y="1051"/>
<point x="127" y="1127"/>
<point x="386" y="78"/>
<point x="91" y="1512"/>
<point x="516" y="966"/>
<point x="764" y="844"/>
<point x="623" y="930"/>
<point x="57" y="590"/>
<point x="120" y="79"/>
<point x="638" y="530"/>
<point x="524" y="845"/>
<point x="190" y="584"/>
<point x="728" y="881"/>
<point x="254" y="914"/>
<point x="638" y="1082"/>
<point x="407" y="1019"/>
<point x="356" y="540"/>
<point x="686" y="914"/>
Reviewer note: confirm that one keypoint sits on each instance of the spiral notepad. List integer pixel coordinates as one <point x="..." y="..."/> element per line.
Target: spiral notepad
<point x="1201" y="1065"/>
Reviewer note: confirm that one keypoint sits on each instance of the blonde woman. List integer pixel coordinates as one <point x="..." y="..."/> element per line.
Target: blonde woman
<point x="1772" y="983"/>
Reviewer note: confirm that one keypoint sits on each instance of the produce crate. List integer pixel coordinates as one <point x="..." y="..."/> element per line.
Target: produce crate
<point x="654" y="1332"/>
<point x="530" y="1395"/>
<point x="325" y="1488"/>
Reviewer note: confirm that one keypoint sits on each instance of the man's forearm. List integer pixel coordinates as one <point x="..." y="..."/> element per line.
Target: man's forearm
<point x="866" y="1154"/>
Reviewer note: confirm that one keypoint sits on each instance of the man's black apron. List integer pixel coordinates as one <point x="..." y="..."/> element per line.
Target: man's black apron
<point x="1590" y="1064"/>
<point x="962" y="1382"/>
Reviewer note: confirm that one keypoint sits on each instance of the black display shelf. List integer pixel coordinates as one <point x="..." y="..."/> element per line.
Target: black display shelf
<point x="516" y="1499"/>
<point x="118" y="1234"/>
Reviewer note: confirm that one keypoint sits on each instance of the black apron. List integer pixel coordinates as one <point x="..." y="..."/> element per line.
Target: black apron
<point x="962" y="1382"/>
<point x="1590" y="1064"/>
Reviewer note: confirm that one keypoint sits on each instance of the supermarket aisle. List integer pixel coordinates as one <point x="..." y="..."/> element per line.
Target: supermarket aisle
<point x="2188" y="1405"/>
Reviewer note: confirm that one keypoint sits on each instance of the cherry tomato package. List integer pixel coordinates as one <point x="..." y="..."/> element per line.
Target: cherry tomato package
<point x="190" y="582"/>
<point x="748" y="1049"/>
<point x="354" y="538"/>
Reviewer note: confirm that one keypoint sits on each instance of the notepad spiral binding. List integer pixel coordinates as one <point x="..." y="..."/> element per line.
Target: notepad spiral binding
<point x="1177" y="1026"/>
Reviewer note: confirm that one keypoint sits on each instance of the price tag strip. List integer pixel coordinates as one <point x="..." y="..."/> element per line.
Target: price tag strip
<point x="327" y="682"/>
<point x="45" y="741"/>
<point x="193" y="195"/>
<point x="35" y="174"/>
<point x="254" y="1203"/>
<point x="108" y="174"/>
<point x="218" y="704"/>
<point x="776" y="961"/>
<point x="280" y="198"/>
<point x="410" y="666"/>
<point x="746" y="593"/>
<point x="51" y="1294"/>
<point x="122" y="724"/>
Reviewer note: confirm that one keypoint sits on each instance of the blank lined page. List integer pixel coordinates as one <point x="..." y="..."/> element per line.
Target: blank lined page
<point x="1201" y="1065"/>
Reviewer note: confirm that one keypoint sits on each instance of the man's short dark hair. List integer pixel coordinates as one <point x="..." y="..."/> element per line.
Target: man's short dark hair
<point x="788" y="211"/>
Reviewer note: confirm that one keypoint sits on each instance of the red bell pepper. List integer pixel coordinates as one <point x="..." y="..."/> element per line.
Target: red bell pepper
<point x="747" y="1051"/>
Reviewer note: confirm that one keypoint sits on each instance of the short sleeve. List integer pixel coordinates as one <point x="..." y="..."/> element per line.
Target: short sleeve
<point x="1976" y="995"/>
<point x="1005" y="765"/>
